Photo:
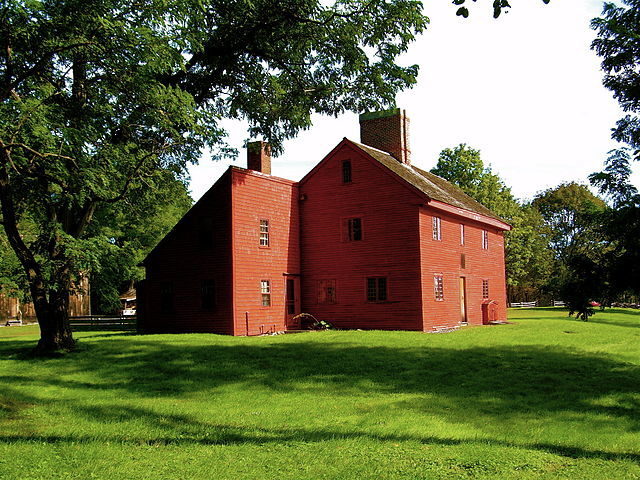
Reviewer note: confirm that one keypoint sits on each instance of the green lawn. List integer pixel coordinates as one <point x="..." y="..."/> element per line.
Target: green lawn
<point x="544" y="397"/>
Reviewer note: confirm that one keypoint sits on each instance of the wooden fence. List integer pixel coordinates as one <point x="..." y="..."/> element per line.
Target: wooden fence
<point x="524" y="304"/>
<point x="84" y="323"/>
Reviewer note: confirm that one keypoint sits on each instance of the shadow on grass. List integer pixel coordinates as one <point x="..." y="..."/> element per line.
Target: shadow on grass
<point x="480" y="386"/>
<point x="182" y="430"/>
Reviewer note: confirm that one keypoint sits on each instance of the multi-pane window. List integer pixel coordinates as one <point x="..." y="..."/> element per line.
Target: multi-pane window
<point x="376" y="289"/>
<point x="265" y="291"/>
<point x="264" y="233"/>
<point x="208" y="294"/>
<point x="326" y="292"/>
<point x="354" y="229"/>
<point x="438" y="287"/>
<point x="346" y="171"/>
<point x="462" y="234"/>
<point x="485" y="239"/>
<point x="485" y="289"/>
<point x="166" y="297"/>
<point x="437" y="228"/>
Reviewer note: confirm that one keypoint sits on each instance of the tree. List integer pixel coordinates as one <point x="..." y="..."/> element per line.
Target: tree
<point x="618" y="44"/>
<point x="97" y="96"/>
<point x="569" y="211"/>
<point x="464" y="167"/>
<point x="573" y="218"/>
<point x="128" y="231"/>
<point x="124" y="233"/>
<point x="527" y="253"/>
<point x="529" y="258"/>
<point x="100" y="96"/>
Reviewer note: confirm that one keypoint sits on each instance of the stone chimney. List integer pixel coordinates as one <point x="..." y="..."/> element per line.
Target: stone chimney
<point x="259" y="157"/>
<point x="387" y="130"/>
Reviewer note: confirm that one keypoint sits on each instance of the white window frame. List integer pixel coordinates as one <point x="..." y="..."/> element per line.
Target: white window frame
<point x="485" y="239"/>
<point x="264" y="232"/>
<point x="438" y="286"/>
<point x="265" y="292"/>
<point x="437" y="228"/>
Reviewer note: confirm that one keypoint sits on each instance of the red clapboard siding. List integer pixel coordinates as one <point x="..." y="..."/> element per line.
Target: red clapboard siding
<point x="443" y="257"/>
<point x="389" y="248"/>
<point x="258" y="197"/>
<point x="309" y="240"/>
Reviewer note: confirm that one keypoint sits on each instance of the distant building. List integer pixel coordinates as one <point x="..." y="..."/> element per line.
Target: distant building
<point x="365" y="240"/>
<point x="79" y="304"/>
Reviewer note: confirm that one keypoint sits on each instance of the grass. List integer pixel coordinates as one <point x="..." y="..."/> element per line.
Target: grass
<point x="544" y="397"/>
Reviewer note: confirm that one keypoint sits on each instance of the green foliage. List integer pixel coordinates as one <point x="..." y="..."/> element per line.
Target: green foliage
<point x="464" y="167"/>
<point x="619" y="46"/>
<point x="573" y="219"/>
<point x="527" y="254"/>
<point x="99" y="98"/>
<point x="571" y="213"/>
<point x="529" y="257"/>
<point x="128" y="231"/>
<point x="548" y="397"/>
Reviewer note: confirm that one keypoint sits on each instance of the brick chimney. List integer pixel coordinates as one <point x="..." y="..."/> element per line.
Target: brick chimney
<point x="259" y="157"/>
<point x="387" y="130"/>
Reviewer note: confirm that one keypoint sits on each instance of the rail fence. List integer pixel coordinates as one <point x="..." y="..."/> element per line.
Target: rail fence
<point x="524" y="304"/>
<point x="84" y="323"/>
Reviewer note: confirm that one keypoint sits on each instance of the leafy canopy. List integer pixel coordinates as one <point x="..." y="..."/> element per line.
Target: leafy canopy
<point x="569" y="211"/>
<point x="101" y="98"/>
<point x="618" y="43"/>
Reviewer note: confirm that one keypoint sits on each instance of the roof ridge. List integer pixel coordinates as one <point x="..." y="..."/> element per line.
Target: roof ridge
<point x="435" y="187"/>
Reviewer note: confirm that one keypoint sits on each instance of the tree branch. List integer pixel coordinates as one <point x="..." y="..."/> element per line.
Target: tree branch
<point x="10" y="85"/>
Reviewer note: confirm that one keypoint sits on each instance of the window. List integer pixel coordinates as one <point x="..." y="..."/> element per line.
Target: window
<point x="485" y="239"/>
<point x="462" y="234"/>
<point x="264" y="233"/>
<point x="205" y="233"/>
<point x="353" y="230"/>
<point x="463" y="260"/>
<point x="485" y="289"/>
<point x="437" y="232"/>
<point x="265" y="291"/>
<point x="208" y="294"/>
<point x="346" y="171"/>
<point x="166" y="297"/>
<point x="438" y="287"/>
<point x="326" y="292"/>
<point x="376" y="289"/>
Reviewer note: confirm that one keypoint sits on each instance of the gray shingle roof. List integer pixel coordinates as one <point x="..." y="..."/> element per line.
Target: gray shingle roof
<point x="435" y="187"/>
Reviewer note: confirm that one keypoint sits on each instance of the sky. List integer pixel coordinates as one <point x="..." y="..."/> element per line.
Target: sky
<point x="525" y="89"/>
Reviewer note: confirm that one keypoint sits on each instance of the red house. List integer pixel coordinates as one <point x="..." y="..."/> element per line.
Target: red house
<point x="364" y="240"/>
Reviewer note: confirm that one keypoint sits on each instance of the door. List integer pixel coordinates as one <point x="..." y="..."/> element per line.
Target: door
<point x="292" y="303"/>
<point x="463" y="300"/>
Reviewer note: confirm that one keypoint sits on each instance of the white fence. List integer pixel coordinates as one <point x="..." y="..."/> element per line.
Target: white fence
<point x="524" y="304"/>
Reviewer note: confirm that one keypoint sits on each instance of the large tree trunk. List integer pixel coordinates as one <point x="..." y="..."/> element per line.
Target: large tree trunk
<point x="53" y="318"/>
<point x="52" y="311"/>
